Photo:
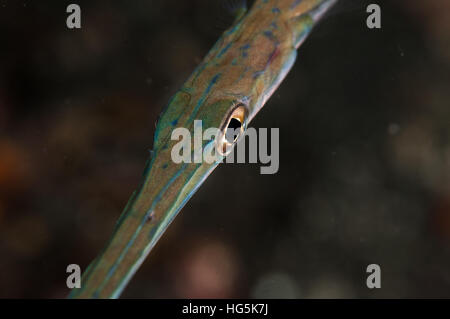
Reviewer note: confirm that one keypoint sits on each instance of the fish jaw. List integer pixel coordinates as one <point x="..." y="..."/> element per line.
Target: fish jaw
<point x="166" y="188"/>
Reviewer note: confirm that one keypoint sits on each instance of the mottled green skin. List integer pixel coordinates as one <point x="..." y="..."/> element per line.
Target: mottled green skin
<point x="245" y="66"/>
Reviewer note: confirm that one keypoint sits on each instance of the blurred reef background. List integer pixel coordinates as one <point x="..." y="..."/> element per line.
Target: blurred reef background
<point x="364" y="177"/>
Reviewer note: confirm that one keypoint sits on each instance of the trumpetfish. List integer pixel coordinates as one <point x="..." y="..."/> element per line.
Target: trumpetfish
<point x="231" y="84"/>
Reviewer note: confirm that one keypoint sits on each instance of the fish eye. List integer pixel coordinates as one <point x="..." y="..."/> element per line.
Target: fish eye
<point x="232" y="129"/>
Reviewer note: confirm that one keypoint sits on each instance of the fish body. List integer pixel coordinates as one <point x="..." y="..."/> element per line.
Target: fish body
<point x="234" y="80"/>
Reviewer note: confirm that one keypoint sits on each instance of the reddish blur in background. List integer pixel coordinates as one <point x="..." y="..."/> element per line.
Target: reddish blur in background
<point x="364" y="177"/>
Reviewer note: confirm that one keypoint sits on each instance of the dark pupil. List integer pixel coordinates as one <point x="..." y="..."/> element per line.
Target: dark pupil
<point x="233" y="130"/>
